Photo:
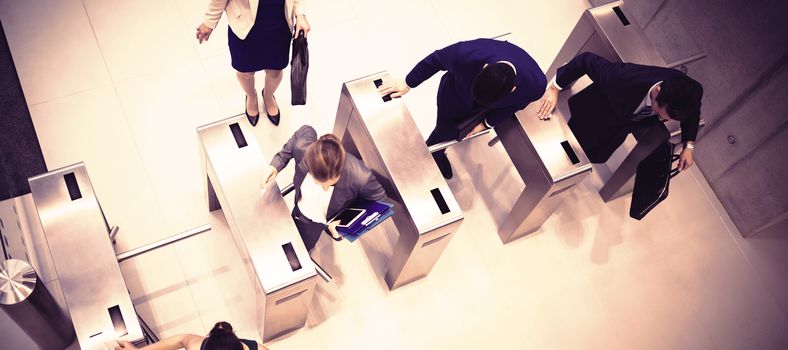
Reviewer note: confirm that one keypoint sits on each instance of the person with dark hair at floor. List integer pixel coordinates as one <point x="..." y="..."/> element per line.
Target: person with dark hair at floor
<point x="327" y="179"/>
<point x="221" y="337"/>
<point x="635" y="94"/>
<point x="486" y="80"/>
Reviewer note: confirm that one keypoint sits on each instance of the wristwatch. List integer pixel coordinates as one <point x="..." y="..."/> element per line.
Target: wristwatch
<point x="690" y="146"/>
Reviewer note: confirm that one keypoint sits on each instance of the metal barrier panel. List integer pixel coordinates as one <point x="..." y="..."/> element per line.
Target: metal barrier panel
<point x="550" y="162"/>
<point x="78" y="238"/>
<point x="608" y="31"/>
<point x="382" y="131"/>
<point x="277" y="262"/>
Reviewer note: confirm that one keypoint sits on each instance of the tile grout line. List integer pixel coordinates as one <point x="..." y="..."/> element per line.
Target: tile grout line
<point x="122" y="111"/>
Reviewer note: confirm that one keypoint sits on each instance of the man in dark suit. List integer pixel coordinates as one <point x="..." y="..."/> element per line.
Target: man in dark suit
<point x="635" y="94"/>
<point x="484" y="77"/>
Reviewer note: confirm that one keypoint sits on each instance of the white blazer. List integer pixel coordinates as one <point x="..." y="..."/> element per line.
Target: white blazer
<point x="241" y="14"/>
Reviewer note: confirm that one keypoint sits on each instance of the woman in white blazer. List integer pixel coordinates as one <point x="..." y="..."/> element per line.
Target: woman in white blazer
<point x="259" y="38"/>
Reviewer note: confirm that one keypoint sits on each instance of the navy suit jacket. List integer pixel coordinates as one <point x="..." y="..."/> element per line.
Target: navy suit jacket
<point x="464" y="60"/>
<point x="624" y="84"/>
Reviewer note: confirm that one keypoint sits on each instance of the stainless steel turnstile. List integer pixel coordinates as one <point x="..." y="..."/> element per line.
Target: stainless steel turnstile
<point x="26" y="300"/>
<point x="608" y="31"/>
<point x="382" y="131"/>
<point x="550" y="162"/>
<point x="78" y="238"/>
<point x="277" y="262"/>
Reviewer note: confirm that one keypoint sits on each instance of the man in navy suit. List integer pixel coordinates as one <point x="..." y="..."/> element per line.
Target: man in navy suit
<point x="634" y="94"/>
<point x="485" y="78"/>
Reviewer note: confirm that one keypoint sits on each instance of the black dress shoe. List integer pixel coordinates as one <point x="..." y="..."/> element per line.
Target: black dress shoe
<point x="252" y="118"/>
<point x="273" y="118"/>
<point x="443" y="165"/>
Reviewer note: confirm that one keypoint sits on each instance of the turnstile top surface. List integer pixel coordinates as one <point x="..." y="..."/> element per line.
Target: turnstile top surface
<point x="550" y="139"/>
<point x="260" y="220"/>
<point x="88" y="272"/>
<point x="627" y="41"/>
<point x="400" y="145"/>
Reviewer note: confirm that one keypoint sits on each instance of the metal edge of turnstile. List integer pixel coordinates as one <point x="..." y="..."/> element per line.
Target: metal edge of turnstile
<point x="381" y="130"/>
<point x="610" y="31"/>
<point x="276" y="259"/>
<point x="76" y="233"/>
<point x="550" y="162"/>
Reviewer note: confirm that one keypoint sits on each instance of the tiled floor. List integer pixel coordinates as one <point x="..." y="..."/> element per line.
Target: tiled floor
<point x="122" y="85"/>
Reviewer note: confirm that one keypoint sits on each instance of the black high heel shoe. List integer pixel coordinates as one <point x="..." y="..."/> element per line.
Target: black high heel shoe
<point x="253" y="119"/>
<point x="273" y="118"/>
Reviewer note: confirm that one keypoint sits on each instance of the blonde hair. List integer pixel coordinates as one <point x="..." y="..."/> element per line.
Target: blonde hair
<point x="325" y="158"/>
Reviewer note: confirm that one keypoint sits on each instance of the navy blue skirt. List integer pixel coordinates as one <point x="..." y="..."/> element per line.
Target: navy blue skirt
<point x="267" y="46"/>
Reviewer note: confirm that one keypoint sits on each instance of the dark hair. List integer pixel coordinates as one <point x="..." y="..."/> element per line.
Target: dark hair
<point x="681" y="97"/>
<point x="222" y="337"/>
<point x="325" y="158"/>
<point x="493" y="83"/>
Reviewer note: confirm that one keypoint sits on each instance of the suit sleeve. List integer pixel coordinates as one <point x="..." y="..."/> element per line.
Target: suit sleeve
<point x="214" y="13"/>
<point x="288" y="151"/>
<point x="443" y="59"/>
<point x="597" y="68"/>
<point x="372" y="190"/>
<point x="689" y="128"/>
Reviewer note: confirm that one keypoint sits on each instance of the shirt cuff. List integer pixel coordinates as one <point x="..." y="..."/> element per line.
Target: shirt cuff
<point x="554" y="83"/>
<point x="487" y="124"/>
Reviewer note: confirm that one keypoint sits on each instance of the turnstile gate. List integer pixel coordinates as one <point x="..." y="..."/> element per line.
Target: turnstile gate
<point x="384" y="134"/>
<point x="77" y="235"/>
<point x="608" y="31"/>
<point x="276" y="260"/>
<point x="550" y="162"/>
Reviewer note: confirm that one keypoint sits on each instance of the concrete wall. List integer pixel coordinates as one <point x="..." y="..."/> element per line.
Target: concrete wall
<point x="742" y="150"/>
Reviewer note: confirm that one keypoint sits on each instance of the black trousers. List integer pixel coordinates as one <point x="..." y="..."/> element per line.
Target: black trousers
<point x="309" y="230"/>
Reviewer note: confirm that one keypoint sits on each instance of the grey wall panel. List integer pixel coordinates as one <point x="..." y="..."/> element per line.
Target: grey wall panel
<point x="753" y="192"/>
<point x="757" y="118"/>
<point x="669" y="31"/>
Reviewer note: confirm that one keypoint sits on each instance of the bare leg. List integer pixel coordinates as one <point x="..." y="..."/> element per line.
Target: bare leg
<point x="272" y="80"/>
<point x="247" y="84"/>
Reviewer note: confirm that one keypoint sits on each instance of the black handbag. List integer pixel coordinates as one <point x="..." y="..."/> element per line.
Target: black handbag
<point x="652" y="180"/>
<point x="299" y="66"/>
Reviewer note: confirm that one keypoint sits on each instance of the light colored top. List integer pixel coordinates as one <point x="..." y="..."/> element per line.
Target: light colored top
<point x="241" y="14"/>
<point x="314" y="200"/>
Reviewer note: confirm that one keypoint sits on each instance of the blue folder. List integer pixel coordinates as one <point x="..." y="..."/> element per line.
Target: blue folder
<point x="375" y="213"/>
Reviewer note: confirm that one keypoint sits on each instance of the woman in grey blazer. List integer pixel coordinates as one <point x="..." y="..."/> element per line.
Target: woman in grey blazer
<point x="327" y="179"/>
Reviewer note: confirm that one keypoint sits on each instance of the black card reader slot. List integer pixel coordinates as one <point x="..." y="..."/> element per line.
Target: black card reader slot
<point x="240" y="140"/>
<point x="439" y="200"/>
<point x="72" y="186"/>
<point x="621" y="17"/>
<point x="117" y="321"/>
<point x="292" y="258"/>
<point x="378" y="83"/>
<point x="570" y="152"/>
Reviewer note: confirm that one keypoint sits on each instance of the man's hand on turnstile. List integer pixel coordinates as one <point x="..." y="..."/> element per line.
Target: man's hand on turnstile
<point x="685" y="159"/>
<point x="332" y="229"/>
<point x="395" y="87"/>
<point x="271" y="175"/>
<point x="547" y="103"/>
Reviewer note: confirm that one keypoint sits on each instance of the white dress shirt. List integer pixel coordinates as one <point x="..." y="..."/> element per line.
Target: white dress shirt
<point x="314" y="200"/>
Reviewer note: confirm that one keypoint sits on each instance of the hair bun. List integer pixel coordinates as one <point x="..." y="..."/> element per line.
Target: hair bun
<point x="221" y="327"/>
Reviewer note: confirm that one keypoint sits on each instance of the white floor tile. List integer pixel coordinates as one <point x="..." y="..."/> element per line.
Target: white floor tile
<point x="56" y="54"/>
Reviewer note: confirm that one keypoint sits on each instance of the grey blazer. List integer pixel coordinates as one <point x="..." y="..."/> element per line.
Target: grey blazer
<point x="355" y="180"/>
